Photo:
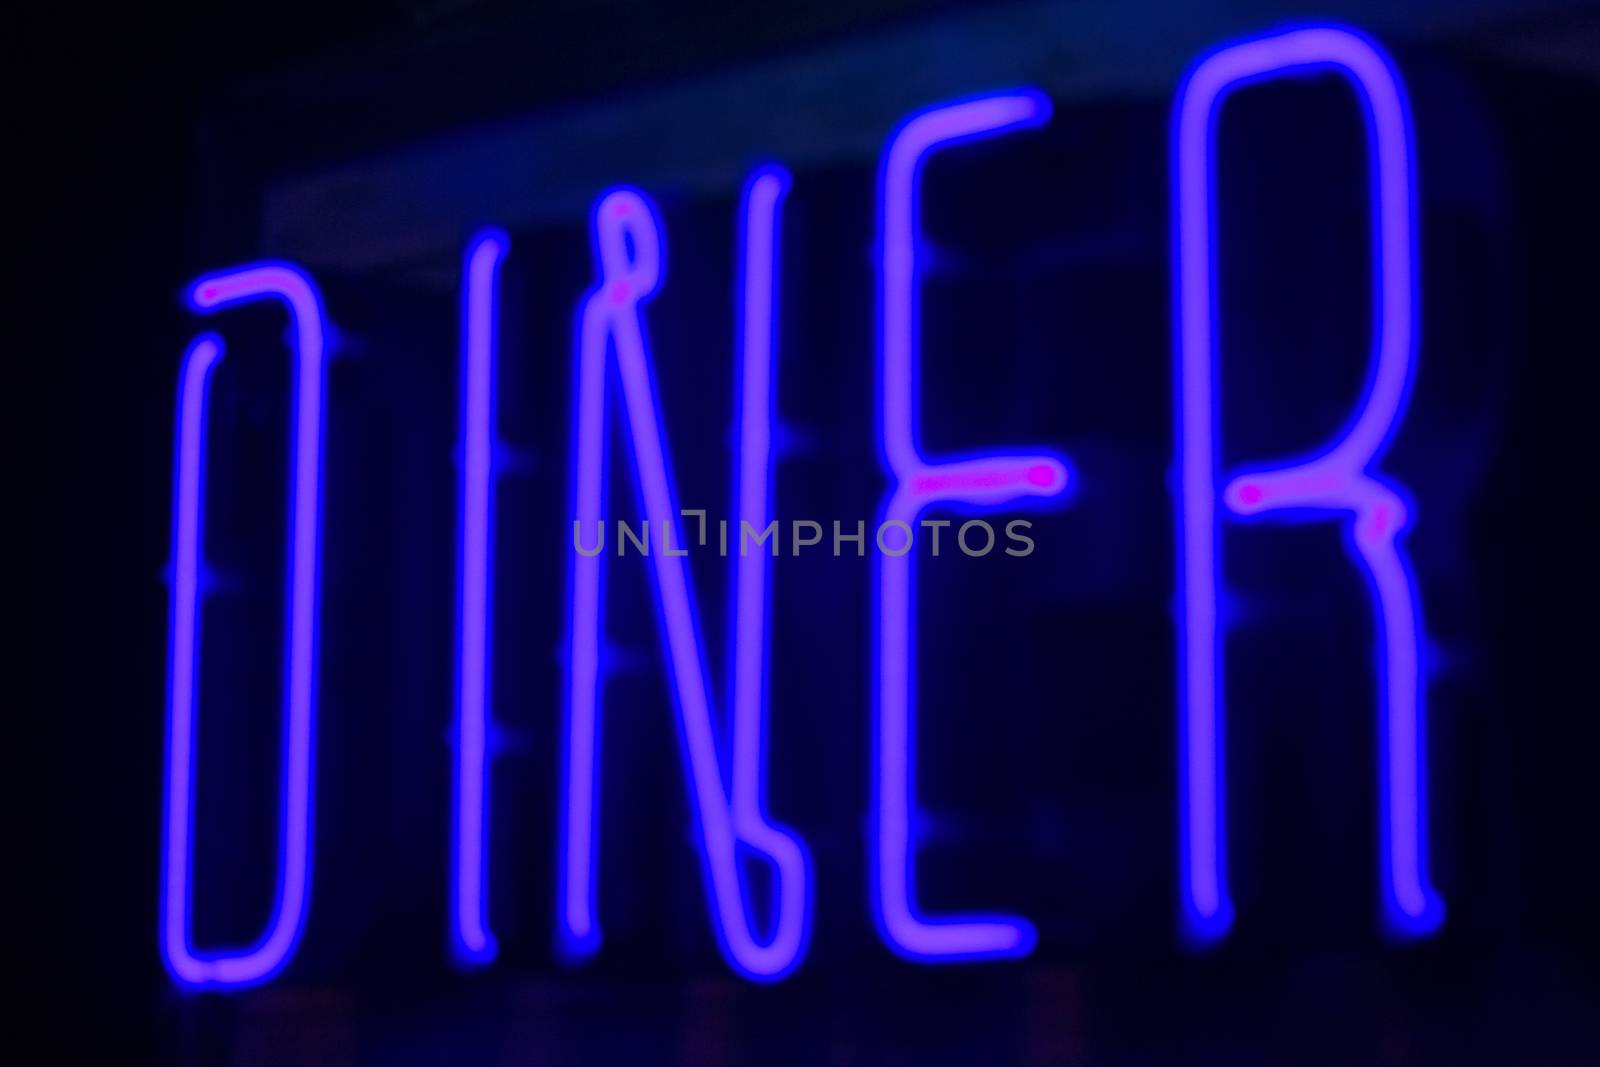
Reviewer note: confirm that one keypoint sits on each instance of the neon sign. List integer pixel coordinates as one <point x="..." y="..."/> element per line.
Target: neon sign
<point x="1338" y="480"/>
<point x="917" y="485"/>
<point x="726" y="776"/>
<point x="628" y="253"/>
<point x="475" y="574"/>
<point x="188" y="965"/>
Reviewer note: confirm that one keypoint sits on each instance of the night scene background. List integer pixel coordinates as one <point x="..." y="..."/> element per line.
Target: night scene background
<point x="368" y="142"/>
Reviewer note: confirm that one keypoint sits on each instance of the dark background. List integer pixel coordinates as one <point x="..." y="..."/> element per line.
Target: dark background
<point x="151" y="141"/>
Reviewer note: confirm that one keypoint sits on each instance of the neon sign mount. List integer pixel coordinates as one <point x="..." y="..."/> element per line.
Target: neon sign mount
<point x="726" y="777"/>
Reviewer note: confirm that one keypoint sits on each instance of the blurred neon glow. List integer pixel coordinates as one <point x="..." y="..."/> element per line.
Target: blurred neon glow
<point x="918" y="484"/>
<point x="474" y="594"/>
<point x="628" y="253"/>
<point x="241" y="967"/>
<point x="1339" y="479"/>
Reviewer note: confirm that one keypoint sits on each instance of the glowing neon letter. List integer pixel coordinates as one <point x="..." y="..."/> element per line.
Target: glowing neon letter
<point x="474" y="599"/>
<point x="259" y="962"/>
<point x="918" y="484"/>
<point x="1338" y="480"/>
<point x="628" y="252"/>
